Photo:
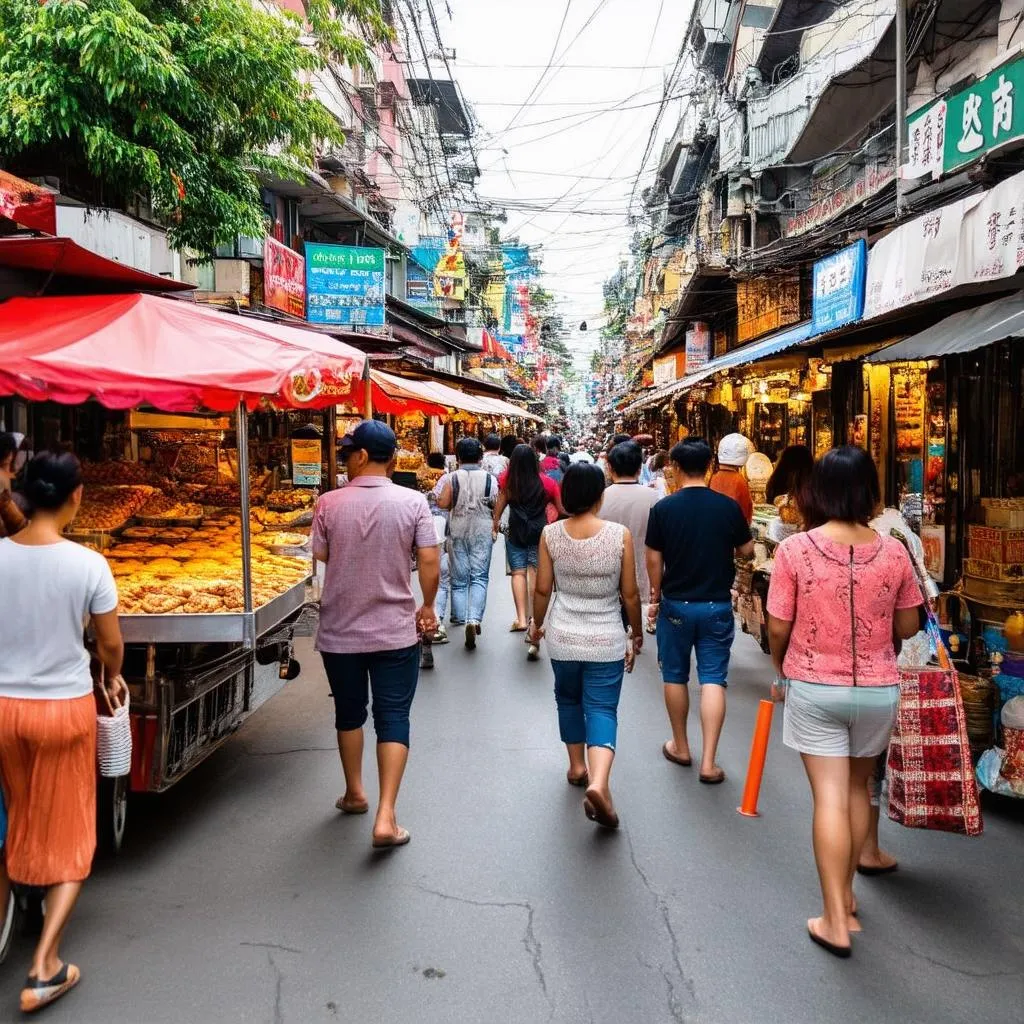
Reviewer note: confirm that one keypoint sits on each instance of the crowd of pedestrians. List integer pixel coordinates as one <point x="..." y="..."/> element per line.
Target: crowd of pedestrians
<point x="599" y="547"/>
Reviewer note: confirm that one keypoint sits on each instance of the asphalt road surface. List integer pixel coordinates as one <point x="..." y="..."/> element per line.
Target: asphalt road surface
<point x="242" y="895"/>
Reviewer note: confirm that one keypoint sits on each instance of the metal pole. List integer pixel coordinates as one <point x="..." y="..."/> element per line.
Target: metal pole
<point x="367" y="392"/>
<point x="901" y="103"/>
<point x="242" y="435"/>
<point x="331" y="432"/>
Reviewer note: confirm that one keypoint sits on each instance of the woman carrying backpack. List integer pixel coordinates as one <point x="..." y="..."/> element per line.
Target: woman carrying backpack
<point x="527" y="493"/>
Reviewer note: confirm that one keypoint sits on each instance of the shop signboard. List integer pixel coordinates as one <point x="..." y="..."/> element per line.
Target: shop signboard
<point x="984" y="116"/>
<point x="842" y="197"/>
<point x="284" y="278"/>
<point x="698" y="346"/>
<point x="839" y="288"/>
<point x="306" y="462"/>
<point x="926" y="132"/>
<point x="766" y="304"/>
<point x="345" y="285"/>
<point x="967" y="242"/>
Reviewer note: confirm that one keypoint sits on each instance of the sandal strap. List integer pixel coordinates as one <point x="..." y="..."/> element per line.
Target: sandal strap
<point x="60" y="978"/>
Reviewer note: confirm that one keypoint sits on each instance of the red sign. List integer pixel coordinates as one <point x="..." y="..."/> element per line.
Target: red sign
<point x="284" y="278"/>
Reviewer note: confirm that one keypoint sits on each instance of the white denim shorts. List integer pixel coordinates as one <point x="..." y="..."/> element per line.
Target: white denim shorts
<point x="839" y="721"/>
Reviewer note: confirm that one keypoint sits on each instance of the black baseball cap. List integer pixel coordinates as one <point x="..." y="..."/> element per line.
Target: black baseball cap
<point x="375" y="438"/>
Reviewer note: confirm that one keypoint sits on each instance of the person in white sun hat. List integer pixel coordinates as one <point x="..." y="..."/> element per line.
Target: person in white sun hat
<point x="733" y="452"/>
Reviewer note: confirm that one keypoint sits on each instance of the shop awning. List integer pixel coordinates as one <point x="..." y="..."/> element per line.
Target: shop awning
<point x="129" y="350"/>
<point x="962" y="332"/>
<point x="743" y="356"/>
<point x="64" y="258"/>
<point x="436" y="399"/>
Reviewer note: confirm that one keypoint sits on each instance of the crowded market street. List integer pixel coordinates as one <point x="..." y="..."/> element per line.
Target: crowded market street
<point x="243" y="895"/>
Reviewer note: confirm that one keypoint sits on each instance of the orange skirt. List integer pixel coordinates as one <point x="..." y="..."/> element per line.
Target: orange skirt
<point x="48" y="771"/>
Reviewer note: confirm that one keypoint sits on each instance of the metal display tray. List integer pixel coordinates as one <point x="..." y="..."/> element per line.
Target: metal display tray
<point x="222" y="627"/>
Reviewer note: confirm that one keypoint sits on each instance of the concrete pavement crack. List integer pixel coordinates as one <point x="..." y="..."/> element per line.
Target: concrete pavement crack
<point x="960" y="970"/>
<point x="290" y="750"/>
<point x="278" y="981"/>
<point x="529" y="940"/>
<point x="271" y="945"/>
<point x="674" y="1005"/>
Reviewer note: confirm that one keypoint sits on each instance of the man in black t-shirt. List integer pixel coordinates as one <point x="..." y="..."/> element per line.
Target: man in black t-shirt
<point x="693" y="538"/>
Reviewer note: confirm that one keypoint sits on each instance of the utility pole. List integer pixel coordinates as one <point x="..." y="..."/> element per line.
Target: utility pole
<point x="901" y="103"/>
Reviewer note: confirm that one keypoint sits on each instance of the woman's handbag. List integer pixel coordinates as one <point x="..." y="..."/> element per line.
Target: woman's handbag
<point x="113" y="736"/>
<point x="931" y="776"/>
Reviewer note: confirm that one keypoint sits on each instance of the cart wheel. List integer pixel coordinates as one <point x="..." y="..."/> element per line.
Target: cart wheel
<point x="293" y="670"/>
<point x="8" y="929"/>
<point x="269" y="654"/>
<point x="112" y="813"/>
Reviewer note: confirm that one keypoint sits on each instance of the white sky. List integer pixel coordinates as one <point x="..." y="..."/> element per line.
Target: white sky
<point x="584" y="165"/>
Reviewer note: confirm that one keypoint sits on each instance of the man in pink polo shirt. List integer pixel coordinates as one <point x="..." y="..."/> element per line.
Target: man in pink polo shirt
<point x="366" y="534"/>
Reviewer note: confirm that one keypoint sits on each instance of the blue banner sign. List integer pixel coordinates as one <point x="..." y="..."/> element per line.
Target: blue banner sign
<point x="345" y="285"/>
<point x="839" y="288"/>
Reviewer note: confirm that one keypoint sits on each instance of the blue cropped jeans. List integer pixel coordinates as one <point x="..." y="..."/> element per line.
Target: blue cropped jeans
<point x="587" y="695"/>
<point x="470" y="575"/>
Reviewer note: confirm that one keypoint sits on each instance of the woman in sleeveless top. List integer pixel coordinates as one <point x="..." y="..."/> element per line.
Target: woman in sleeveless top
<point x="593" y="564"/>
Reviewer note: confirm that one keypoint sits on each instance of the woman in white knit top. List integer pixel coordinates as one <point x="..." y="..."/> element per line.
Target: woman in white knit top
<point x="593" y="564"/>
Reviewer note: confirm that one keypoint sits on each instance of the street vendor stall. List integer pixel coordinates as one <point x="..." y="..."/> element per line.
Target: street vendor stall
<point x="210" y="582"/>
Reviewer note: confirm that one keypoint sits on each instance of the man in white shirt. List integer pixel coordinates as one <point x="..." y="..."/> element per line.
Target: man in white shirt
<point x="493" y="461"/>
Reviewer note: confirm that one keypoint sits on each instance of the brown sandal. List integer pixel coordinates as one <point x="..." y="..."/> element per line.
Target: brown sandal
<point x="599" y="810"/>
<point x="579" y="780"/>
<point x="351" y="808"/>
<point x="686" y="762"/>
<point x="713" y="780"/>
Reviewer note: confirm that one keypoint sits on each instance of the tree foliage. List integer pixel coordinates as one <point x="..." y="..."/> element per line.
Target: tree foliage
<point x="189" y="101"/>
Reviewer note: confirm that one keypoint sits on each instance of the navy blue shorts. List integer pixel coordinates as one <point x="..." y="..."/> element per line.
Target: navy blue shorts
<point x="707" y="627"/>
<point x="520" y="558"/>
<point x="391" y="676"/>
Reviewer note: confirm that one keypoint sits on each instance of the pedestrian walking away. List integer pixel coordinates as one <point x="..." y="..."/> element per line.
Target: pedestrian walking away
<point x="441" y="603"/>
<point x="840" y="599"/>
<point x="693" y="539"/>
<point x="592" y="564"/>
<point x="627" y="502"/>
<point x="48" y="710"/>
<point x="551" y="463"/>
<point x="471" y="495"/>
<point x="11" y="518"/>
<point x="495" y="460"/>
<point x="368" y="636"/>
<point x="533" y="500"/>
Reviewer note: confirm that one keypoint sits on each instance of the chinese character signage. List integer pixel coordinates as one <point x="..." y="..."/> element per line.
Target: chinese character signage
<point x="765" y="304"/>
<point x="967" y="242"/>
<point x="345" y="285"/>
<point x="698" y="346"/>
<point x="968" y="124"/>
<point x="306" y="462"/>
<point x="284" y="278"/>
<point x="839" y="288"/>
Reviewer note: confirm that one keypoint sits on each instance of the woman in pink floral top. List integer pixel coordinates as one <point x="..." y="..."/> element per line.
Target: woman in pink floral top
<point x="841" y="599"/>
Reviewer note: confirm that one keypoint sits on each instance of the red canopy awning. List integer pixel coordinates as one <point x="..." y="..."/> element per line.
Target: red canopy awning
<point x="128" y="350"/>
<point x="65" y="258"/>
<point x="28" y="205"/>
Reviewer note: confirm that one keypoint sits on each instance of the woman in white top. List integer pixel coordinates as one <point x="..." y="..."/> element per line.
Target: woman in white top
<point x="593" y="564"/>
<point x="47" y="707"/>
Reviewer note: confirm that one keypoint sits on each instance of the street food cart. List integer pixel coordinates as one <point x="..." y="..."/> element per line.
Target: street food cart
<point x="213" y="587"/>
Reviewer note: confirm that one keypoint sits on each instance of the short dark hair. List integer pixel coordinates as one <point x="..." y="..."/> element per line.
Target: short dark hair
<point x="692" y="456"/>
<point x="554" y="443"/>
<point x="435" y="460"/>
<point x="51" y="478"/>
<point x="626" y="459"/>
<point x="582" y="487"/>
<point x="469" y="450"/>
<point x="508" y="445"/>
<point x="492" y="443"/>
<point x="8" y="447"/>
<point x="844" y="486"/>
<point x="540" y="444"/>
<point x="618" y="439"/>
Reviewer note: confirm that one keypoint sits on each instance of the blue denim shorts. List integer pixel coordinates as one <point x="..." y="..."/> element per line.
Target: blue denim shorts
<point x="705" y="626"/>
<point x="520" y="558"/>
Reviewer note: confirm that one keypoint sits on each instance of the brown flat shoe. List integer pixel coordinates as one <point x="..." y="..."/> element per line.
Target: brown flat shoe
<point x="578" y="780"/>
<point x="713" y="780"/>
<point x="350" y="808"/>
<point x="598" y="809"/>
<point x="686" y="762"/>
<point x="401" y="838"/>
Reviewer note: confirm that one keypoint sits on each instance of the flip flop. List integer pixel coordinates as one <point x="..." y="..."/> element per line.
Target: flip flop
<point x="38" y="993"/>
<point x="516" y="628"/>
<point x="580" y="780"/>
<point x="843" y="952"/>
<point x="597" y="809"/>
<point x="713" y="780"/>
<point x="401" y="839"/>
<point x="685" y="762"/>
<point x="871" y="872"/>
<point x="352" y="808"/>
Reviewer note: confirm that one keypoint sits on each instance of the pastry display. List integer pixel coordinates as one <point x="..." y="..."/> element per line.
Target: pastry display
<point x="162" y="507"/>
<point x="290" y="501"/>
<point x="278" y="520"/>
<point x="282" y="539"/>
<point x="109" y="508"/>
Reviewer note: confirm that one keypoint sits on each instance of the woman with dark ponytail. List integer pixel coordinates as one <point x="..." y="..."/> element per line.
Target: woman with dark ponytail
<point x="47" y="709"/>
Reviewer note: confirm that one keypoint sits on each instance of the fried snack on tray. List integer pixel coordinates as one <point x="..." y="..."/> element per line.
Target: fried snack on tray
<point x="161" y="604"/>
<point x="290" y="501"/>
<point x="109" y="508"/>
<point x="161" y="507"/>
<point x="202" y="604"/>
